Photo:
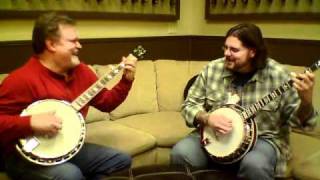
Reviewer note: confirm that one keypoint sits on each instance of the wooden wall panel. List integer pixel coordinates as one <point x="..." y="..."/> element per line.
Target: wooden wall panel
<point x="103" y="51"/>
<point x="294" y="52"/>
<point x="14" y="54"/>
<point x="110" y="50"/>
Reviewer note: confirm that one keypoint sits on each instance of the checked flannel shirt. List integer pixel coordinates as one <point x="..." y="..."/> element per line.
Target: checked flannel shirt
<point x="274" y="121"/>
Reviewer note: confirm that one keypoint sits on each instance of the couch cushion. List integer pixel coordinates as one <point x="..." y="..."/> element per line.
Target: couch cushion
<point x="167" y="127"/>
<point x="145" y="159"/>
<point x="158" y="155"/>
<point x="308" y="168"/>
<point x="96" y="115"/>
<point x="115" y="135"/>
<point x="196" y="66"/>
<point x="142" y="97"/>
<point x="298" y="141"/>
<point x="306" y="156"/>
<point x="172" y="77"/>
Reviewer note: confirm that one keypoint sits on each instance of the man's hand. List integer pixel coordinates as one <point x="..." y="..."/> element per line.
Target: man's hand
<point x="304" y="83"/>
<point x="219" y="123"/>
<point x="130" y="63"/>
<point x="45" y="124"/>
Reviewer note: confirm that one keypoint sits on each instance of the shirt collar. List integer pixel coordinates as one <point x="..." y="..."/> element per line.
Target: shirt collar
<point x="35" y="60"/>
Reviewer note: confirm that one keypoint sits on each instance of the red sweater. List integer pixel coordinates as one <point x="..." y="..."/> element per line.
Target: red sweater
<point x="33" y="82"/>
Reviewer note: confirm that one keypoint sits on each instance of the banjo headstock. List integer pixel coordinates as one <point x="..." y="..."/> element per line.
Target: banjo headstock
<point x="314" y="66"/>
<point x="139" y="52"/>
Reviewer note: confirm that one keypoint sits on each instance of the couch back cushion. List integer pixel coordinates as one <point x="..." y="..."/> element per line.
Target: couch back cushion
<point x="95" y="115"/>
<point x="172" y="77"/>
<point x="142" y="97"/>
<point x="2" y="76"/>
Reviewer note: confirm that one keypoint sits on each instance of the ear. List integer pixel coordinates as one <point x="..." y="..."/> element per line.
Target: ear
<point x="50" y="45"/>
<point x="252" y="53"/>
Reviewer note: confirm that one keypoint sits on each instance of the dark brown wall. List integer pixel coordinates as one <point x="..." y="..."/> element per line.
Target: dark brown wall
<point x="110" y="50"/>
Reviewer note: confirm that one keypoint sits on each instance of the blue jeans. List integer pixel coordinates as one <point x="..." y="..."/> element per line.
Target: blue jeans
<point x="259" y="163"/>
<point x="92" y="162"/>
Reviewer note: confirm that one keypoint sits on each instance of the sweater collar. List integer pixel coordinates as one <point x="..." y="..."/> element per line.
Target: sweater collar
<point x="35" y="61"/>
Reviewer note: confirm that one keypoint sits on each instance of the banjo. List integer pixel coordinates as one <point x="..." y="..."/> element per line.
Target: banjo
<point x="230" y="148"/>
<point x="46" y="151"/>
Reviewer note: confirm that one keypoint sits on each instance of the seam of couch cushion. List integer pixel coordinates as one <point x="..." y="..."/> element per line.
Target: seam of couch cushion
<point x="95" y="115"/>
<point x="167" y="127"/>
<point x="170" y="83"/>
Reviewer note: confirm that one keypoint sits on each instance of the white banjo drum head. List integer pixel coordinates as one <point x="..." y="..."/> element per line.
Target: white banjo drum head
<point x="67" y="138"/>
<point x="220" y="145"/>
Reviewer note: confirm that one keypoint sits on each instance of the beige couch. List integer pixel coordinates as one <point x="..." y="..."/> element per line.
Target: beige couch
<point x="149" y="123"/>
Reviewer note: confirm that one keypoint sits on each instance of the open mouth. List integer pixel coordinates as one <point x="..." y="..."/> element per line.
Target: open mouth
<point x="75" y="53"/>
<point x="228" y="60"/>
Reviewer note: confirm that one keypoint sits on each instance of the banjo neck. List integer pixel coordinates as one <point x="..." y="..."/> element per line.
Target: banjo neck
<point x="96" y="87"/>
<point x="254" y="108"/>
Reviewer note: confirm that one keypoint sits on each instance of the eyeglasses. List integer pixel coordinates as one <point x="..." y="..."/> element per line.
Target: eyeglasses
<point x="231" y="49"/>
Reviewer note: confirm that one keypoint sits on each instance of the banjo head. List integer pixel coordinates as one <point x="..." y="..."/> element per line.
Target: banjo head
<point x="60" y="148"/>
<point x="221" y="145"/>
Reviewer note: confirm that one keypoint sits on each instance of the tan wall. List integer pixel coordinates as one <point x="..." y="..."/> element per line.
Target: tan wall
<point x="279" y="29"/>
<point x="191" y="22"/>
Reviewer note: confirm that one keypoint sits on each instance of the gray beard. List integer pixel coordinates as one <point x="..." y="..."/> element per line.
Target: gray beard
<point x="75" y="60"/>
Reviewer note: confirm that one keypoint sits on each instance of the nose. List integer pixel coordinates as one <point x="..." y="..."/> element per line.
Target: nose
<point x="227" y="52"/>
<point x="78" y="45"/>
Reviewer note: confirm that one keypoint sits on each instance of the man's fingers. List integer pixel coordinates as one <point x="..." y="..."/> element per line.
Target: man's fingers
<point x="130" y="66"/>
<point x="224" y="129"/>
<point x="303" y="81"/>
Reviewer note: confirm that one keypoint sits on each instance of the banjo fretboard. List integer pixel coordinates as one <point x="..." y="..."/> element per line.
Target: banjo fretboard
<point x="95" y="88"/>
<point x="254" y="108"/>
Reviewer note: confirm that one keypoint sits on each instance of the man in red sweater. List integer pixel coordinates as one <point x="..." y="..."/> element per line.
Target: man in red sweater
<point x="55" y="72"/>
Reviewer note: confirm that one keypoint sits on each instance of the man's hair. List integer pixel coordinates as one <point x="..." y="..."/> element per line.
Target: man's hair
<point x="47" y="27"/>
<point x="251" y="37"/>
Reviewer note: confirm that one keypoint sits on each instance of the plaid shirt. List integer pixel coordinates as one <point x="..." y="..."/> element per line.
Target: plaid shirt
<point x="274" y="121"/>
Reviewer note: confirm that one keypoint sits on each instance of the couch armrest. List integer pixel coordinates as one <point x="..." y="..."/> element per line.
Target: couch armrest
<point x="315" y="134"/>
